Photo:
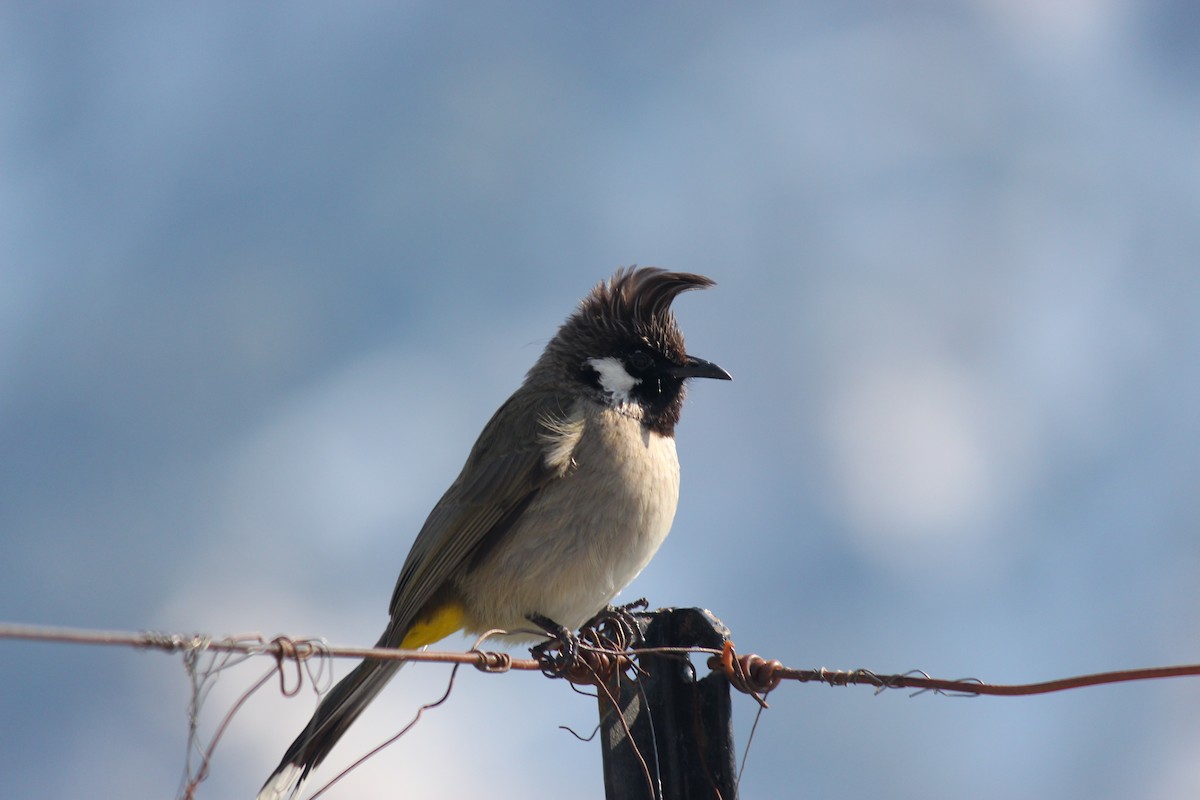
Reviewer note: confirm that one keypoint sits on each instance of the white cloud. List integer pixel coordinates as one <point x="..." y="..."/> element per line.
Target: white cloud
<point x="920" y="460"/>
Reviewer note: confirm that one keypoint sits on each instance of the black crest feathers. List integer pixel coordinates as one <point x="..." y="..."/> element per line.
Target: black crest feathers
<point x="642" y="296"/>
<point x="637" y="301"/>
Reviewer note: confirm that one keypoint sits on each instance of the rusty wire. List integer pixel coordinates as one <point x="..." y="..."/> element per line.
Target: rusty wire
<point x="204" y="666"/>
<point x="744" y="672"/>
<point x="610" y="644"/>
<point x="753" y="674"/>
<point x="282" y="648"/>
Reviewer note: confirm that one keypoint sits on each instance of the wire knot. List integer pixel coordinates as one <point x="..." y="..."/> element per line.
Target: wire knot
<point x="492" y="661"/>
<point x="295" y="651"/>
<point x="750" y="674"/>
<point x="596" y="653"/>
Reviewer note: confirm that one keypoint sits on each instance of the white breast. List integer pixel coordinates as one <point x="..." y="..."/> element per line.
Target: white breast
<point x="586" y="535"/>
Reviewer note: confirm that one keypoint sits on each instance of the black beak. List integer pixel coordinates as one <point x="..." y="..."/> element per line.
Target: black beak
<point x="699" y="368"/>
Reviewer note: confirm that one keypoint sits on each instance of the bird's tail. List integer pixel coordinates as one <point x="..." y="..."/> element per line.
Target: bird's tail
<point x="333" y="716"/>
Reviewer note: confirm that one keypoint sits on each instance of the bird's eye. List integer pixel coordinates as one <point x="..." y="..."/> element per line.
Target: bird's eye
<point x="641" y="360"/>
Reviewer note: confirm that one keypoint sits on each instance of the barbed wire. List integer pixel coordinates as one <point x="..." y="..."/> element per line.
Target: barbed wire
<point x="281" y="648"/>
<point x="590" y="659"/>
<point x="749" y="673"/>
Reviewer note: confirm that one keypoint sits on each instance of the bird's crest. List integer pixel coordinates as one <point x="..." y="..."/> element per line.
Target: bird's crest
<point x="640" y="298"/>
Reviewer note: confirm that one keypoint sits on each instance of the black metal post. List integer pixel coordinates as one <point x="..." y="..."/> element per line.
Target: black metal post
<point x="673" y="738"/>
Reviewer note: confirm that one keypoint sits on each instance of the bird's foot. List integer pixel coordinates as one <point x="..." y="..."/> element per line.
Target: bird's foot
<point x="641" y="604"/>
<point x="556" y="655"/>
<point x="615" y="628"/>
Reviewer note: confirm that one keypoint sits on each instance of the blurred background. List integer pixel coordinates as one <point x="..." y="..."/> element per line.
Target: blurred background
<point x="267" y="269"/>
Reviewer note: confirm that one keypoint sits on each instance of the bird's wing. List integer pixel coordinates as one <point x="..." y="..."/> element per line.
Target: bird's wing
<point x="501" y="476"/>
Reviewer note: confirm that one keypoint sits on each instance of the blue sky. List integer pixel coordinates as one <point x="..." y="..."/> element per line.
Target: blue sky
<point x="266" y="270"/>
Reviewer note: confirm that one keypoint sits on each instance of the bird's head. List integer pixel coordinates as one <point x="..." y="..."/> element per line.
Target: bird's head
<point x="623" y="347"/>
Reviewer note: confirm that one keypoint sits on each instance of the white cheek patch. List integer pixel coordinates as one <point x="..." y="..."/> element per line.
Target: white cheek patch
<point x="614" y="379"/>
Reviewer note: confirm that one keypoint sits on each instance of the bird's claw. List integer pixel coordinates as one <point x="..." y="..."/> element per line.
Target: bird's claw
<point x="558" y="654"/>
<point x="615" y="628"/>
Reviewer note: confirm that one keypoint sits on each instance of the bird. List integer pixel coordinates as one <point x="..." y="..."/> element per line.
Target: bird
<point x="564" y="498"/>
